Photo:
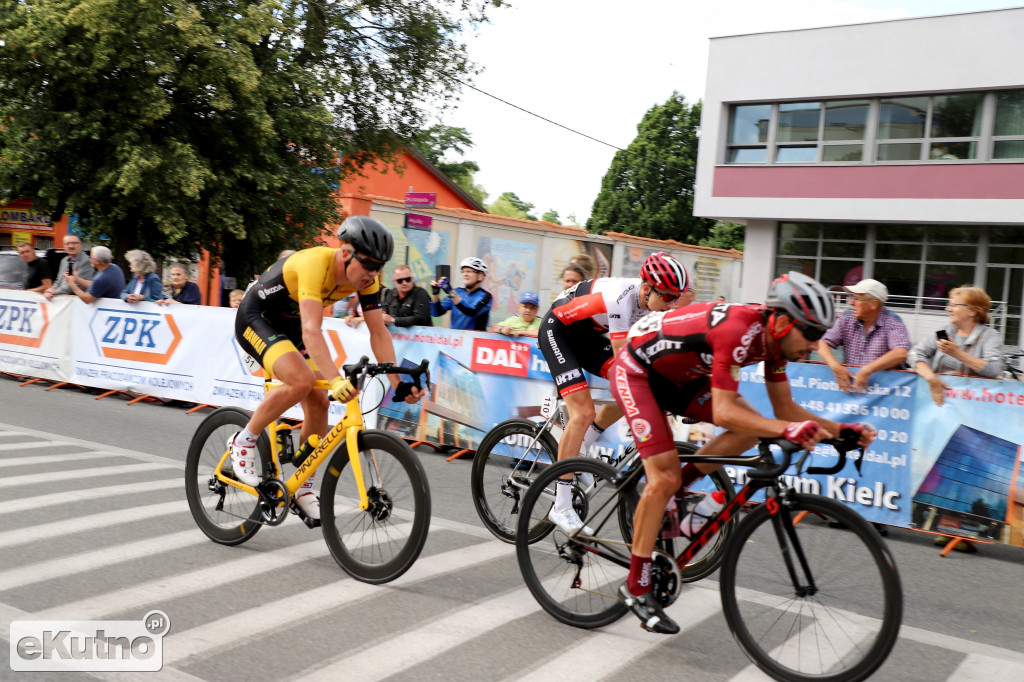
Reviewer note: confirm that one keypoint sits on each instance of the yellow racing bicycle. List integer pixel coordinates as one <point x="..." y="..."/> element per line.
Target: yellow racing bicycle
<point x="374" y="498"/>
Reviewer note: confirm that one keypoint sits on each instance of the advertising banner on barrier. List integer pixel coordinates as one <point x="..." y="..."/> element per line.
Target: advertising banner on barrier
<point x="479" y="381"/>
<point x="966" y="476"/>
<point x="881" y="492"/>
<point x="35" y="335"/>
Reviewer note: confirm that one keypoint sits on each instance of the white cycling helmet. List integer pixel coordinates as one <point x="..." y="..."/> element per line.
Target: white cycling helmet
<point x="474" y="263"/>
<point x="805" y="300"/>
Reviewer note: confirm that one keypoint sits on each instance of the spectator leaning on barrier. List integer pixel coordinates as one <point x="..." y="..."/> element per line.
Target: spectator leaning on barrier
<point x="873" y="338"/>
<point x="407" y="304"/>
<point x="182" y="290"/>
<point x="526" y="323"/>
<point x="969" y="345"/>
<point x="235" y="297"/>
<point x="145" y="284"/>
<point x="75" y="260"/>
<point x="39" y="278"/>
<point x="470" y="304"/>
<point x="109" y="279"/>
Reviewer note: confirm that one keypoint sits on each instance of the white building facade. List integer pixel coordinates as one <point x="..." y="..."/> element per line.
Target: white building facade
<point x="892" y="150"/>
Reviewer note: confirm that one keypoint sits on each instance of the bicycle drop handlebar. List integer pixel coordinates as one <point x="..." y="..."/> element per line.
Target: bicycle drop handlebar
<point x="789" y="448"/>
<point x="358" y="372"/>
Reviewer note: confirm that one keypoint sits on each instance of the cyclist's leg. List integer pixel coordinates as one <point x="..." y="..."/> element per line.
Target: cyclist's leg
<point x="291" y="370"/>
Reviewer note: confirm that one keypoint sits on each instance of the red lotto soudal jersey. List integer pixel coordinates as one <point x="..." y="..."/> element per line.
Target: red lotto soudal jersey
<point x="704" y="339"/>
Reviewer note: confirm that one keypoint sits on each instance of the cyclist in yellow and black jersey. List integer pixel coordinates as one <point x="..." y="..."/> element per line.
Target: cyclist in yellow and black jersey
<point x="279" y="324"/>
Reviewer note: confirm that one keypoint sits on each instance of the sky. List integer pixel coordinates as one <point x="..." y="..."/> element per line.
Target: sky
<point x="597" y="66"/>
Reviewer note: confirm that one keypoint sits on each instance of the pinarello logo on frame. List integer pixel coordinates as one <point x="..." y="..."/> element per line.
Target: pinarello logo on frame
<point x="23" y="323"/>
<point x="150" y="337"/>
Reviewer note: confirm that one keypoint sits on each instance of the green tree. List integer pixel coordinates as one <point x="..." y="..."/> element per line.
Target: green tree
<point x="551" y="216"/>
<point x="510" y="205"/>
<point x="438" y="140"/>
<point x="648" y="190"/>
<point x="725" y="236"/>
<point x="216" y="124"/>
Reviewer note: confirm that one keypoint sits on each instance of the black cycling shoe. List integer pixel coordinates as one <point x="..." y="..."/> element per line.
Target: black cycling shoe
<point x="648" y="610"/>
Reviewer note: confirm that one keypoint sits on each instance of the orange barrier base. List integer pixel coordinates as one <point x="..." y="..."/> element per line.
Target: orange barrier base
<point x="199" y="407"/>
<point x="458" y="454"/>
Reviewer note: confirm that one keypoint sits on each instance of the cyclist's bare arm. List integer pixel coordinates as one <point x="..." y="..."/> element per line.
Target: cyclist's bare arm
<point x="786" y="408"/>
<point x="383" y="348"/>
<point x="733" y="413"/>
<point x="312" y="314"/>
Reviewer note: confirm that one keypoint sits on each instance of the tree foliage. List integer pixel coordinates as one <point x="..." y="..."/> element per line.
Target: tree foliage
<point x="551" y="216"/>
<point x="437" y="141"/>
<point x="648" y="189"/>
<point x="511" y="206"/>
<point x="215" y="124"/>
<point x="725" y="236"/>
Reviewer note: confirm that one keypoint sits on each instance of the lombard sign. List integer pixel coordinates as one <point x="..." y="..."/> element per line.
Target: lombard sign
<point x="135" y="335"/>
<point x="23" y="323"/>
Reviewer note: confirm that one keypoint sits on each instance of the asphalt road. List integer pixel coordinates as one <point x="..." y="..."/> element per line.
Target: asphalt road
<point x="278" y="607"/>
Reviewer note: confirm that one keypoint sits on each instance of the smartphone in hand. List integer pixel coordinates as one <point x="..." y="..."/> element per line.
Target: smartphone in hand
<point x="941" y="335"/>
<point x="442" y="271"/>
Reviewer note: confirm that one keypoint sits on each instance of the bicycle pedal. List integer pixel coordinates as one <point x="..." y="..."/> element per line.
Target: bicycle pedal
<point x="310" y="523"/>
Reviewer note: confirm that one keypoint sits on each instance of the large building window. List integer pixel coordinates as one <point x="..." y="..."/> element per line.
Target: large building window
<point x="938" y="127"/>
<point x="1008" y="131"/>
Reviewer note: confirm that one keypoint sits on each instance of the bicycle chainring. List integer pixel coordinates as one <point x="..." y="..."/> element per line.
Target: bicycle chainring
<point x="666" y="578"/>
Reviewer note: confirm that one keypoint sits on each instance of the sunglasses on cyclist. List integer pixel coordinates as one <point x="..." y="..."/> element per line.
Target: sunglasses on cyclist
<point x="667" y="298"/>
<point x="810" y="333"/>
<point x="402" y="280"/>
<point x="368" y="263"/>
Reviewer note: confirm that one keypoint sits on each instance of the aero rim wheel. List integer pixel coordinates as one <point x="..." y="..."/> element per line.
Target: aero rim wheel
<point x="378" y="544"/>
<point x="576" y="580"/>
<point x="844" y="628"/>
<point x="227" y="515"/>
<point x="509" y="458"/>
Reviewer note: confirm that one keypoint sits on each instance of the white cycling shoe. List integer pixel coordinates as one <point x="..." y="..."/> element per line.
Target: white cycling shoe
<point x="568" y="521"/>
<point x="243" y="462"/>
<point x="309" y="503"/>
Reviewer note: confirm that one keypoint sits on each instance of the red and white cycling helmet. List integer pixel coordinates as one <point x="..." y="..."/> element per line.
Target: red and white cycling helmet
<point x="664" y="273"/>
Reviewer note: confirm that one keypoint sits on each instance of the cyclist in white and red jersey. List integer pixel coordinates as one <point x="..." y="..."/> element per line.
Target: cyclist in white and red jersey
<point x="687" y="362"/>
<point x="586" y="325"/>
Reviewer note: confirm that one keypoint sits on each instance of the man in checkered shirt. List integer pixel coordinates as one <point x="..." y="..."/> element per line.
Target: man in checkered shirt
<point x="872" y="337"/>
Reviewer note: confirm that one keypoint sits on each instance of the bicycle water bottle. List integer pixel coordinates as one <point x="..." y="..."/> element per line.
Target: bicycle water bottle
<point x="305" y="449"/>
<point x="692" y="524"/>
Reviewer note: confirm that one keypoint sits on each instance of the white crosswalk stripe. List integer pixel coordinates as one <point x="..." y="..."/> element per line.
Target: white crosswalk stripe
<point x="193" y="646"/>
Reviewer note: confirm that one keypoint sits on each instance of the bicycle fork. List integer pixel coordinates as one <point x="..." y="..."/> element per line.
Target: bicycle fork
<point x="789" y="545"/>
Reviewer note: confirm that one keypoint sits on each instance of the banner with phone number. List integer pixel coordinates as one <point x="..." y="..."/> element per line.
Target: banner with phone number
<point x="881" y="492"/>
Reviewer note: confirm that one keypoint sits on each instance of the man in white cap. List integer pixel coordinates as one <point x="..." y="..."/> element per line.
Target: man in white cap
<point x="872" y="337"/>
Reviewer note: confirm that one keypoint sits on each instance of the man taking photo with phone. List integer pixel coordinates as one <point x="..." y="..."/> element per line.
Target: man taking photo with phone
<point x="470" y="304"/>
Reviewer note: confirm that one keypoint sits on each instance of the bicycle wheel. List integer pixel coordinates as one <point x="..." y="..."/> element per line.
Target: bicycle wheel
<point x="380" y="543"/>
<point x="576" y="580"/>
<point x="226" y="514"/>
<point x="708" y="558"/>
<point x="509" y="458"/>
<point x="844" y="625"/>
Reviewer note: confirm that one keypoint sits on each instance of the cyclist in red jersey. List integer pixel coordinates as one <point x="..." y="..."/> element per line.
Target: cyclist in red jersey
<point x="687" y="362"/>
<point x="586" y="325"/>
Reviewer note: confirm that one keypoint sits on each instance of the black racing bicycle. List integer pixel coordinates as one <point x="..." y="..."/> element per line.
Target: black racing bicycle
<point x="804" y="600"/>
<point x="515" y="452"/>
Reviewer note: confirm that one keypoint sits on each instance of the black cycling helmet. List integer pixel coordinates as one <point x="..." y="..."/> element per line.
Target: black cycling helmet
<point x="806" y="301"/>
<point x="368" y="236"/>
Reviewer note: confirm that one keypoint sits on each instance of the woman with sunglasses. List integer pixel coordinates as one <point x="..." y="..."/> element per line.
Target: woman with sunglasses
<point x="586" y="326"/>
<point x="687" y="362"/>
<point x="966" y="345"/>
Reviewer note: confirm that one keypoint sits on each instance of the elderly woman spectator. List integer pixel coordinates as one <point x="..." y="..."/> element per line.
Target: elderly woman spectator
<point x="183" y="290"/>
<point x="145" y="284"/>
<point x="967" y="345"/>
